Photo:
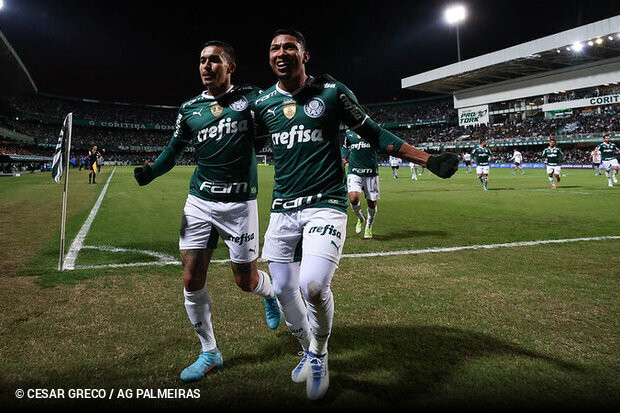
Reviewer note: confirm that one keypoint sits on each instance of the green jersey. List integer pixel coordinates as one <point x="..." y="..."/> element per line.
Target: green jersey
<point x="482" y="155"/>
<point x="221" y="130"/>
<point x="608" y="151"/>
<point x="363" y="159"/>
<point x="553" y="156"/>
<point x="304" y="131"/>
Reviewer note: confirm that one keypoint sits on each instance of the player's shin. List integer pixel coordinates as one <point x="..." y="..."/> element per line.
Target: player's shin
<point x="198" y="308"/>
<point x="315" y="278"/>
<point x="286" y="287"/>
<point x="357" y="208"/>
<point x="372" y="213"/>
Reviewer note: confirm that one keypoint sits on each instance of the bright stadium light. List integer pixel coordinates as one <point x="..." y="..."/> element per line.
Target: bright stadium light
<point x="1" y="4"/>
<point x="590" y="43"/>
<point x="598" y="41"/>
<point x="577" y="46"/>
<point x="454" y="15"/>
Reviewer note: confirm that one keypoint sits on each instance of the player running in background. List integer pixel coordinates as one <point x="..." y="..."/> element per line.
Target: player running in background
<point x="608" y="151"/>
<point x="414" y="170"/>
<point x="517" y="158"/>
<point x="394" y="164"/>
<point x="363" y="175"/>
<point x="482" y="155"/>
<point x="302" y="116"/>
<point x="93" y="164"/>
<point x="222" y="195"/>
<point x="553" y="158"/>
<point x="596" y="161"/>
<point x="467" y="161"/>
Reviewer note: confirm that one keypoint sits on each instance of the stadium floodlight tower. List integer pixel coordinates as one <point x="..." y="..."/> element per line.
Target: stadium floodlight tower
<point x="454" y="15"/>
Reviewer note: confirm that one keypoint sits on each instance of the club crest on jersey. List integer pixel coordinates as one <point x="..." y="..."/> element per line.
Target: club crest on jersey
<point x="314" y="108"/>
<point x="239" y="104"/>
<point x="216" y="110"/>
<point x="289" y="110"/>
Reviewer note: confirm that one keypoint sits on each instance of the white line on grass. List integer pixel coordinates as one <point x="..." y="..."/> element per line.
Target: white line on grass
<point x="78" y="242"/>
<point x="164" y="261"/>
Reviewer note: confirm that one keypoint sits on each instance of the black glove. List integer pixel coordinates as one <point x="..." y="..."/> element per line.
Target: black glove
<point x="143" y="174"/>
<point x="443" y="165"/>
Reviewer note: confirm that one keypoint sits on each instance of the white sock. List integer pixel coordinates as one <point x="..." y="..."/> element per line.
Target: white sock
<point x="198" y="307"/>
<point x="551" y="180"/>
<point x="315" y="277"/>
<point x="372" y="213"/>
<point x="608" y="176"/>
<point x="286" y="286"/>
<point x="264" y="287"/>
<point x="357" y="208"/>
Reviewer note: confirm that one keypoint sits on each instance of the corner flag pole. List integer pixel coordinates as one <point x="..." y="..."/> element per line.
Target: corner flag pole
<point x="69" y="123"/>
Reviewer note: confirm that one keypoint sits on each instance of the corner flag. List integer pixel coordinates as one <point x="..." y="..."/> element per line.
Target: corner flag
<point x="62" y="147"/>
<point x="59" y="162"/>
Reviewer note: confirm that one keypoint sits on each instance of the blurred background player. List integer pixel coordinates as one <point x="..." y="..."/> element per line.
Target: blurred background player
<point x="222" y="196"/>
<point x="414" y="170"/>
<point x="482" y="155"/>
<point x="93" y="164"/>
<point x="608" y="151"/>
<point x="595" y="156"/>
<point x="302" y="115"/>
<point x="517" y="158"/>
<point x="395" y="164"/>
<point x="363" y="175"/>
<point x="467" y="161"/>
<point x="553" y="158"/>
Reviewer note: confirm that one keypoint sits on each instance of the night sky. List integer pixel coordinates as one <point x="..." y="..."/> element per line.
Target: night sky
<point x="124" y="51"/>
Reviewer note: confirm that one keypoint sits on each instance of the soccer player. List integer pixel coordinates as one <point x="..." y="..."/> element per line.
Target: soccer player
<point x="222" y="195"/>
<point x="596" y="161"/>
<point x="517" y="158"/>
<point x="608" y="151"/>
<point x="395" y="164"/>
<point x="553" y="158"/>
<point x="467" y="160"/>
<point x="93" y="165"/>
<point x="482" y="155"/>
<point x="301" y="115"/>
<point x="414" y="170"/>
<point x="363" y="175"/>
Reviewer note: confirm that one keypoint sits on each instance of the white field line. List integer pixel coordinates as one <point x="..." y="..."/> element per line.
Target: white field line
<point x="78" y="242"/>
<point x="165" y="261"/>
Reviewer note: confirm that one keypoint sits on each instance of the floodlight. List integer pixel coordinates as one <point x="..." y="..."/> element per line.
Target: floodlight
<point x="577" y="46"/>
<point x="1" y="4"/>
<point x="454" y="14"/>
<point x="598" y="41"/>
<point x="590" y="43"/>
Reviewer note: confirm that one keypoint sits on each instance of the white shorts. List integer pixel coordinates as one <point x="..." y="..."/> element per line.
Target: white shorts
<point x="368" y="184"/>
<point x="322" y="232"/>
<point x="607" y="165"/>
<point x="235" y="222"/>
<point x="480" y="170"/>
<point x="556" y="170"/>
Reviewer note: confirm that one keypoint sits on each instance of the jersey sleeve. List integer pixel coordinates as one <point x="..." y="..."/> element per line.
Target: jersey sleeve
<point x="173" y="152"/>
<point x="354" y="116"/>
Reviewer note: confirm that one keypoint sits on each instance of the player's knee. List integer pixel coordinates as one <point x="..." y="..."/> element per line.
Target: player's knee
<point x="245" y="277"/>
<point x="314" y="292"/>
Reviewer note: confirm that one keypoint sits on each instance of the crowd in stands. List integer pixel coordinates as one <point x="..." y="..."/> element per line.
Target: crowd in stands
<point x="435" y="122"/>
<point x="47" y="107"/>
<point x="584" y="93"/>
<point x="414" y="112"/>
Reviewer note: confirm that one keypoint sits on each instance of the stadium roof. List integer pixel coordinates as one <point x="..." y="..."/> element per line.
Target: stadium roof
<point x="15" y="78"/>
<point x="548" y="54"/>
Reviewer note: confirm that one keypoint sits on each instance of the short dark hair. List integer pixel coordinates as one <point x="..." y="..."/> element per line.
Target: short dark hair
<point x="228" y="49"/>
<point x="292" y="32"/>
<point x="552" y="140"/>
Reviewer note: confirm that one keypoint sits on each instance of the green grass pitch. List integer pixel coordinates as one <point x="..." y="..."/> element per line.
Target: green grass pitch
<point x="503" y="328"/>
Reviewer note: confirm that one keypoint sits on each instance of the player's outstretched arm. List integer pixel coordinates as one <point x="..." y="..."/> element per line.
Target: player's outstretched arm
<point x="168" y="158"/>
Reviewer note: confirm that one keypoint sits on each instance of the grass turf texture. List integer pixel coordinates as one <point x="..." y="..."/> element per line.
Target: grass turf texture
<point x="514" y="327"/>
